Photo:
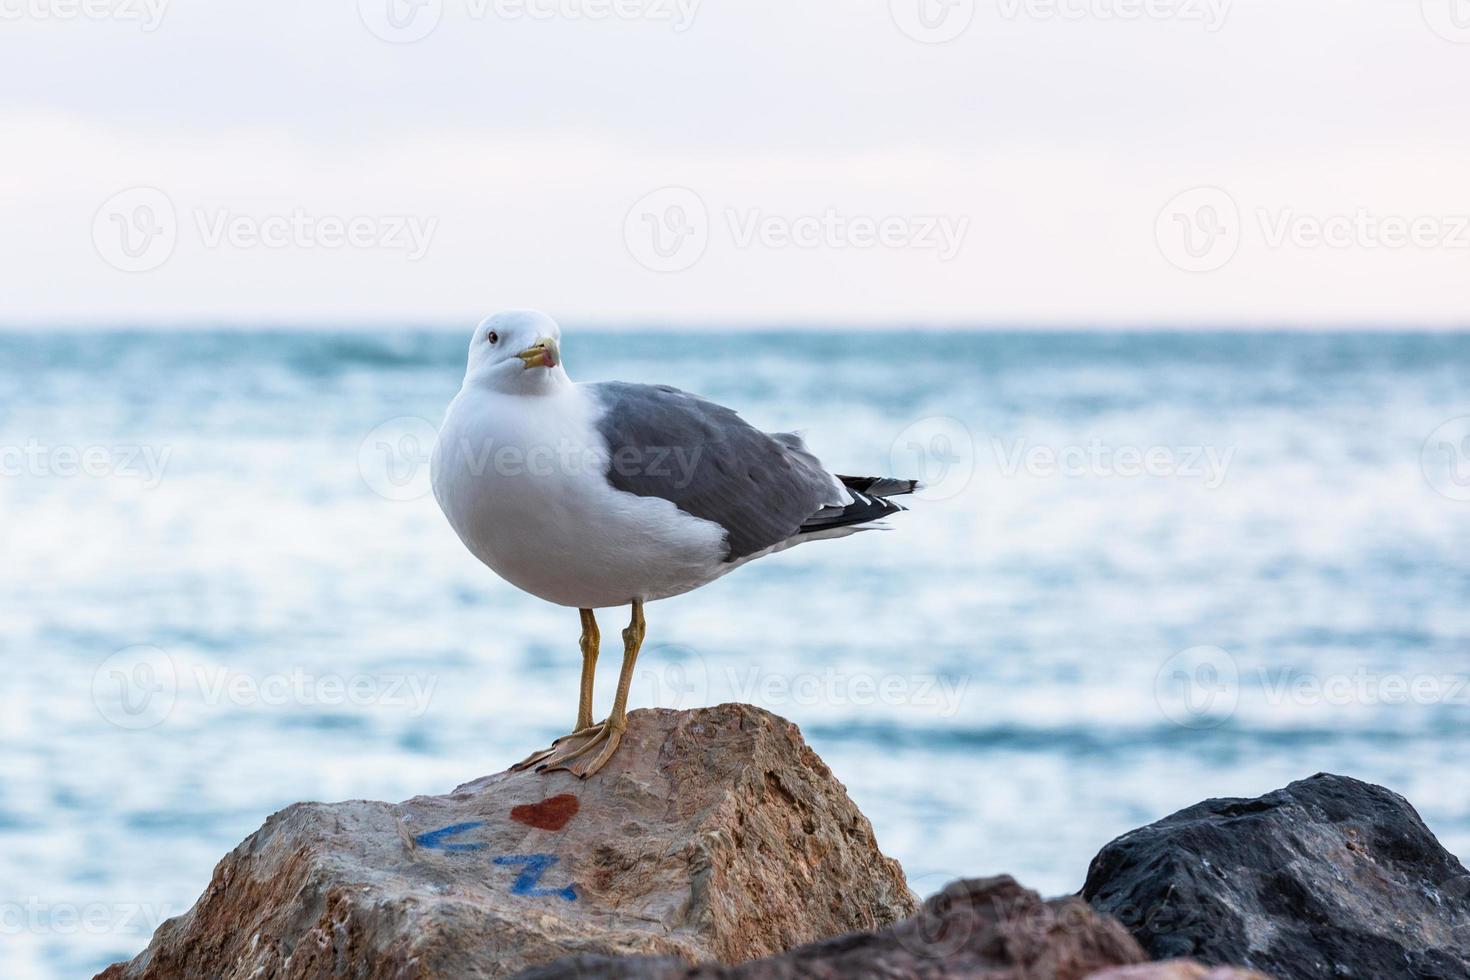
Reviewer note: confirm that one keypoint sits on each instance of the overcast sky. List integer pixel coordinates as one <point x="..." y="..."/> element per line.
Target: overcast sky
<point x="1060" y="162"/>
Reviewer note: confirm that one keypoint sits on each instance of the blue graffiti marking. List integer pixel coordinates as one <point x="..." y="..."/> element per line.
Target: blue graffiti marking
<point x="535" y="866"/>
<point x="435" y="838"/>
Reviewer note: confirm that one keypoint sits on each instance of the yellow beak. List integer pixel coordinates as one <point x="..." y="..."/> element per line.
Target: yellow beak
<point x="543" y="353"/>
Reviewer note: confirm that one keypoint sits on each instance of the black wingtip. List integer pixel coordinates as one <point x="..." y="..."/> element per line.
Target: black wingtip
<point x="879" y="486"/>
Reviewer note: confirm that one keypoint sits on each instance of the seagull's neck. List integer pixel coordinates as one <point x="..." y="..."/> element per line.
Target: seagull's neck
<point x="537" y="382"/>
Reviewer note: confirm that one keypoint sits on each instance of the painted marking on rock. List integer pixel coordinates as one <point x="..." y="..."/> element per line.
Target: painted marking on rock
<point x="553" y="813"/>
<point x="533" y="867"/>
<point x="436" y="839"/>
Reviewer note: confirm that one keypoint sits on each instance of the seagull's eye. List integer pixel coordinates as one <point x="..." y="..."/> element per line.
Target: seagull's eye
<point x="493" y="337"/>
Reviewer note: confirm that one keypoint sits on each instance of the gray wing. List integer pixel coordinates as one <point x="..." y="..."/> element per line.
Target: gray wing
<point x="761" y="488"/>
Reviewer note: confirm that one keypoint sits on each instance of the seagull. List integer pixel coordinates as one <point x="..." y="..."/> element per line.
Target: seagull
<point x="608" y="494"/>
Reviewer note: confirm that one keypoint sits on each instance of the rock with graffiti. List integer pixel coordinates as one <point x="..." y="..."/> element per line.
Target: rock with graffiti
<point x="714" y="834"/>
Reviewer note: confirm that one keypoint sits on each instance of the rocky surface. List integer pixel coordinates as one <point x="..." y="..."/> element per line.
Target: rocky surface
<point x="1177" y="970"/>
<point x="985" y="929"/>
<point x="1327" y="878"/>
<point x="713" y="834"/>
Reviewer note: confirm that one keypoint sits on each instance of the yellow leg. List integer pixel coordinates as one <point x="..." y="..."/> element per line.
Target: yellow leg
<point x="590" y="641"/>
<point x="609" y="734"/>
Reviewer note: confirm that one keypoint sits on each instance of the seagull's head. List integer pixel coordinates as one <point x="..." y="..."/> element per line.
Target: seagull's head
<point x="517" y="352"/>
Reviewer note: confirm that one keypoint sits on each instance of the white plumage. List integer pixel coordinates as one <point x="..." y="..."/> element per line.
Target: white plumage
<point x="598" y="495"/>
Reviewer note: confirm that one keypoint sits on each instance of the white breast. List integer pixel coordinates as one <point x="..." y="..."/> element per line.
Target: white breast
<point x="521" y="479"/>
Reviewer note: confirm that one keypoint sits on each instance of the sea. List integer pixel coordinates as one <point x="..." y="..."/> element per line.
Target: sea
<point x="1145" y="568"/>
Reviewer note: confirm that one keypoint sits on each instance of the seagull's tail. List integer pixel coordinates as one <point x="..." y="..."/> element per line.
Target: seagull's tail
<point x="870" y="503"/>
<point x="879" y="486"/>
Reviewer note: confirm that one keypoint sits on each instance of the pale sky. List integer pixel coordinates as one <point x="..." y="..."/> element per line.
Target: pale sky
<point x="996" y="162"/>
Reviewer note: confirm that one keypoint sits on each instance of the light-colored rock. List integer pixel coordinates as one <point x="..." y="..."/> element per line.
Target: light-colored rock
<point x="713" y="834"/>
<point x="1177" y="970"/>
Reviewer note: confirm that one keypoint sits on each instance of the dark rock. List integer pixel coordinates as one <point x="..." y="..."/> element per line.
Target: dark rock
<point x="985" y="929"/>
<point x="1327" y="878"/>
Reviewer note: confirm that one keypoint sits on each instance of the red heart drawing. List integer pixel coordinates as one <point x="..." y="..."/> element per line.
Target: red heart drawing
<point x="550" y="814"/>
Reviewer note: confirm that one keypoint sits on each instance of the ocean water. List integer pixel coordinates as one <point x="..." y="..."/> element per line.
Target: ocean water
<point x="1148" y="568"/>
